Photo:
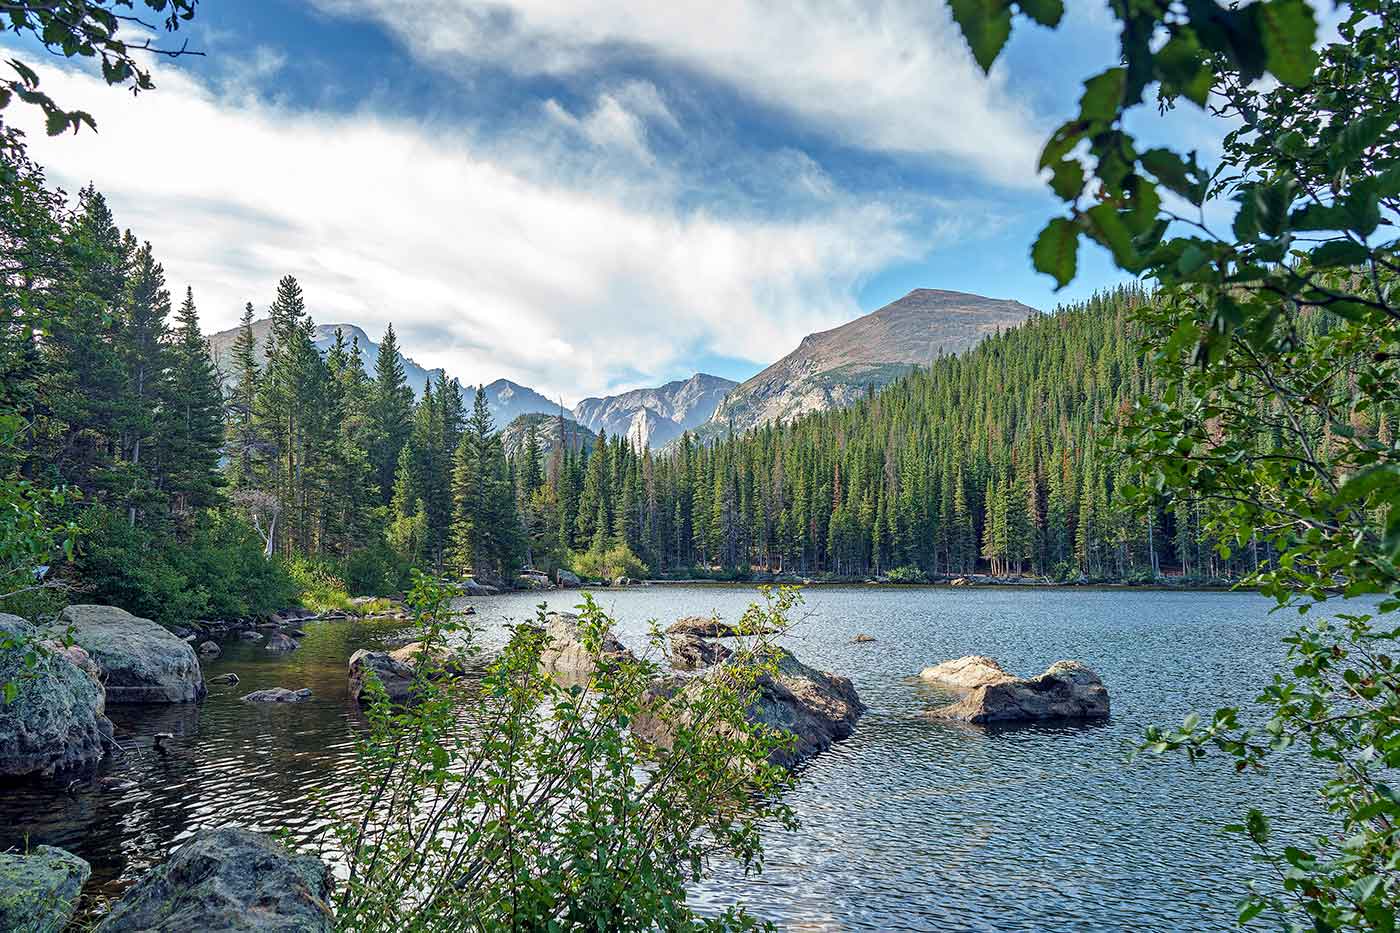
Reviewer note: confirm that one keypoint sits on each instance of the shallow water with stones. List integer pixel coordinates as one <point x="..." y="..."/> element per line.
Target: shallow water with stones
<point x="911" y="824"/>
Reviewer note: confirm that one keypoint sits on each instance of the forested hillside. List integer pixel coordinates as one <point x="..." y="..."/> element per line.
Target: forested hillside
<point x="987" y="461"/>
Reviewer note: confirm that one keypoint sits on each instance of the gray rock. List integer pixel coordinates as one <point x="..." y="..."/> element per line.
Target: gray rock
<point x="815" y="707"/>
<point x="1067" y="690"/>
<point x="278" y="695"/>
<point x="395" y="675"/>
<point x="974" y="670"/>
<point x="279" y="643"/>
<point x="473" y="588"/>
<point x="229" y="678"/>
<point x="39" y="891"/>
<point x="862" y="639"/>
<point x="210" y="650"/>
<point x="701" y="626"/>
<point x="533" y="581"/>
<point x="140" y="661"/>
<point x="566" y="657"/>
<point x="250" y="635"/>
<point x="567" y="578"/>
<point x="691" y="653"/>
<point x="56" y="720"/>
<point x="232" y="881"/>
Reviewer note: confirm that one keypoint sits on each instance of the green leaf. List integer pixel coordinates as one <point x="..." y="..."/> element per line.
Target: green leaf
<point x="1176" y="173"/>
<point x="1359" y="135"/>
<point x="1288" y="29"/>
<point x="986" y="25"/>
<point x="1067" y="179"/>
<point x="1112" y="232"/>
<point x="1103" y="95"/>
<point x="1045" y="12"/>
<point x="1339" y="253"/>
<point x="1056" y="250"/>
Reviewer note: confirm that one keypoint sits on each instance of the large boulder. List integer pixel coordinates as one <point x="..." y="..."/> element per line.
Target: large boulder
<point x="472" y="588"/>
<point x="691" y="653"/>
<point x="1067" y="690"/>
<point x="229" y="880"/>
<point x="39" y="891"/>
<point x="974" y="670"/>
<point x="140" y="661"/>
<point x="395" y="675"/>
<point x="815" y="707"/>
<point x="566" y="657"/>
<point x="701" y="627"/>
<point x="567" y="578"/>
<point x="56" y="720"/>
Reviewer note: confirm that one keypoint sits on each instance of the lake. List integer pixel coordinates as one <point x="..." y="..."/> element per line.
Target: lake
<point x="911" y="824"/>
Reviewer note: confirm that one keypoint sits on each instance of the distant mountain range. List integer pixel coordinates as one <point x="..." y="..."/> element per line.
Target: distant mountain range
<point x="836" y="367"/>
<point x="548" y="433"/>
<point x="655" y="417"/>
<point x="828" y="370"/>
<point x="221" y="349"/>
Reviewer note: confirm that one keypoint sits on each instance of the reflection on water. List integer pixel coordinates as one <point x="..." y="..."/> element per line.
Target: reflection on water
<point x="912" y="824"/>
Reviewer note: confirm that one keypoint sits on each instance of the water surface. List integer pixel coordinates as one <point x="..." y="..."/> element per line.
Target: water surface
<point x="911" y="824"/>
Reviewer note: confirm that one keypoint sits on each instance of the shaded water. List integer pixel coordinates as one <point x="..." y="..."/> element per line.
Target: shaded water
<point x="911" y="824"/>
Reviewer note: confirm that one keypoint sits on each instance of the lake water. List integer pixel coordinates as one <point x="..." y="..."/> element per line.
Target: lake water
<point x="911" y="824"/>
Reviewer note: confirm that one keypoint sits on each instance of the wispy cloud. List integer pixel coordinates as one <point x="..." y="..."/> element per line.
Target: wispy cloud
<point x="890" y="76"/>
<point x="492" y="257"/>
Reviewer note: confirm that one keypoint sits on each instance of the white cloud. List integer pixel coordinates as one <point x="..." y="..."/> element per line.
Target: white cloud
<point x="885" y="75"/>
<point x="492" y="259"/>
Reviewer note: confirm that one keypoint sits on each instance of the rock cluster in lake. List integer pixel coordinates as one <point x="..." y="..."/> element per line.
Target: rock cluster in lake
<point x="701" y="627"/>
<point x="1067" y="690"/>
<point x="815" y="707"/>
<point x="692" y="653"/>
<point x="56" y="720"/>
<point x="231" y="880"/>
<point x="566" y="656"/>
<point x="140" y="661"/>
<point x="39" y="890"/>
<point x="396" y="676"/>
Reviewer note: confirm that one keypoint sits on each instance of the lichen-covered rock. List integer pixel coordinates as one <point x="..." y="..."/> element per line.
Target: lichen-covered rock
<point x="278" y="695"/>
<point x="691" y="653"/>
<point x="566" y="656"/>
<point x="56" y="720"/>
<point x="701" y="627"/>
<point x="229" y="880"/>
<point x="395" y="675"/>
<point x="39" y="890"/>
<point x="816" y="708"/>
<point x="140" y="661"/>
<point x="1067" y="690"/>
<point x="974" y="670"/>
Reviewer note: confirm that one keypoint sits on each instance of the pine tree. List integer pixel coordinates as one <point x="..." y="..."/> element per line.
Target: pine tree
<point x="191" y="418"/>
<point x="391" y="412"/>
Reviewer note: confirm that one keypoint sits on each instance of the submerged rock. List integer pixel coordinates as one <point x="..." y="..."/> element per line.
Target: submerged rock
<point x="140" y="661"/>
<point x="1067" y="690"/>
<point x="39" y="891"/>
<point x="278" y="695"/>
<point x="395" y="675"/>
<point x="702" y="626"/>
<point x="229" y="678"/>
<point x="279" y="643"/>
<point x="230" y="880"/>
<point x="57" y="719"/>
<point x="974" y="670"/>
<point x="691" y="653"/>
<point x="566" y="655"/>
<point x="815" y="707"/>
<point x="210" y="650"/>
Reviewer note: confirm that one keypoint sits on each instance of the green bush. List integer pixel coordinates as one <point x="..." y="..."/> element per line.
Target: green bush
<point x="220" y="573"/>
<point x="318" y="586"/>
<point x="616" y="561"/>
<point x="374" y="571"/>
<point x="906" y="575"/>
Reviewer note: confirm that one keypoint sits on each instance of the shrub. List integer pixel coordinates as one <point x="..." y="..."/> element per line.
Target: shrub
<point x="519" y="803"/>
<point x="318" y="587"/>
<point x="374" y="571"/>
<point x="906" y="575"/>
<point x="616" y="561"/>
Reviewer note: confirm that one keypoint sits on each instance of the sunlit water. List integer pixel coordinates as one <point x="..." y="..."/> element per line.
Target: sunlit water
<point x="911" y="824"/>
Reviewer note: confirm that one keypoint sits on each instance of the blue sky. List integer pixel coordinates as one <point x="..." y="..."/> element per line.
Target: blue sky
<point x="586" y="196"/>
